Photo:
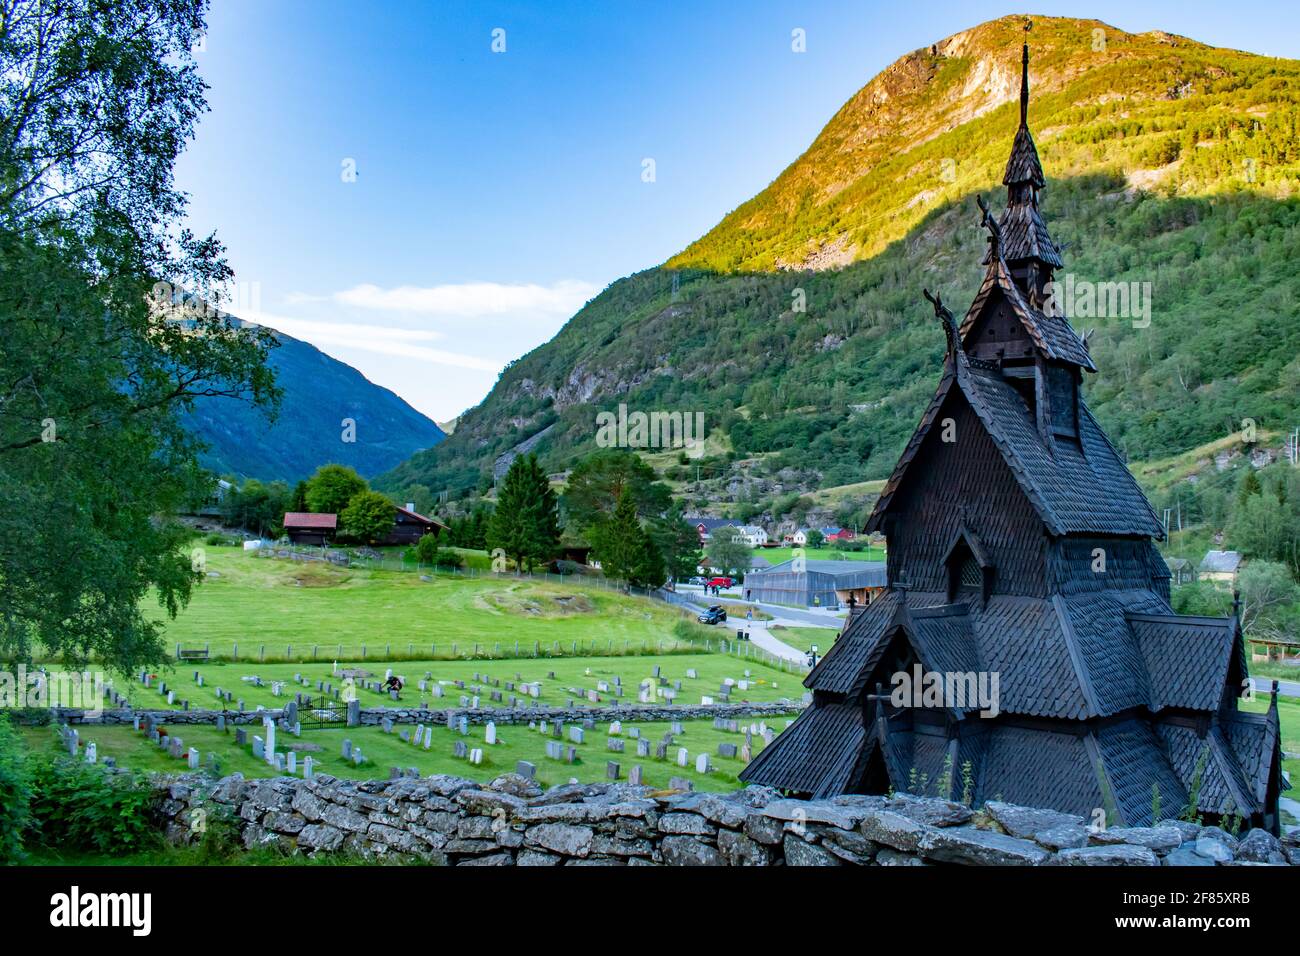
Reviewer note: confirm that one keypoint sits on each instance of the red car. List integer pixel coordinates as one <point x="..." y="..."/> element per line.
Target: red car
<point x="719" y="583"/>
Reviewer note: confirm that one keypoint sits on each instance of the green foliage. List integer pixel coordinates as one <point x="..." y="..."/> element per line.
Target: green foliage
<point x="727" y="551"/>
<point x="99" y="360"/>
<point x="470" y="531"/>
<point x="368" y="517"/>
<point x="679" y="543"/>
<point x="15" y="793"/>
<point x="257" y="506"/>
<point x="81" y="806"/>
<point x="525" y="524"/>
<point x="1268" y="598"/>
<point x="597" y="482"/>
<point x="626" y="550"/>
<point x="426" y="549"/>
<point x="331" y="488"/>
<point x="299" y="501"/>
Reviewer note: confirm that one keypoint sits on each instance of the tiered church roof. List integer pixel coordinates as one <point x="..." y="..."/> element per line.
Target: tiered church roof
<point x="1020" y="547"/>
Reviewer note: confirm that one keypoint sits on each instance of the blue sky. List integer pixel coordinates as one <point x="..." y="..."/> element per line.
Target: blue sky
<point x="496" y="192"/>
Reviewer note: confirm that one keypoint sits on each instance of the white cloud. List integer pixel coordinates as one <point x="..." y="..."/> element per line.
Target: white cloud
<point x="473" y="298"/>
<point x="384" y="340"/>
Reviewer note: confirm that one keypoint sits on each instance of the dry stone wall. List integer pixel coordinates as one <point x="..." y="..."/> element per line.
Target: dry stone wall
<point x="513" y="822"/>
<point x="374" y="716"/>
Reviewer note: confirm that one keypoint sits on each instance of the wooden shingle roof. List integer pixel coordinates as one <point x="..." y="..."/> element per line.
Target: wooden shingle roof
<point x="1084" y="488"/>
<point x="817" y="753"/>
<point x="1186" y="658"/>
<point x="1025" y="236"/>
<point x="1052" y="334"/>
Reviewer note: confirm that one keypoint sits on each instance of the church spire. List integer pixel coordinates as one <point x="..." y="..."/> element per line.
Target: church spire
<point x="1024" y="85"/>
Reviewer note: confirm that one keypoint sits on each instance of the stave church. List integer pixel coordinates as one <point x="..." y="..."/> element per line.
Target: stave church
<point x="1020" y="548"/>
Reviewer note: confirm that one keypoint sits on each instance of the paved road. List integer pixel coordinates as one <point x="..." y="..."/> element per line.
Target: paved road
<point x="792" y="616"/>
<point x="1287" y="688"/>
<point x="759" y="634"/>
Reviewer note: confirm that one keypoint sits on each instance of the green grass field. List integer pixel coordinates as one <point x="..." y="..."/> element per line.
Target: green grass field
<point x="804" y="638"/>
<point x="383" y="751"/>
<point x="824" y="553"/>
<point x="573" y="677"/>
<point x="277" y="604"/>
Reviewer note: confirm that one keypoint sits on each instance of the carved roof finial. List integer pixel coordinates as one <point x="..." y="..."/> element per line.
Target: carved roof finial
<point x="991" y="224"/>
<point x="945" y="316"/>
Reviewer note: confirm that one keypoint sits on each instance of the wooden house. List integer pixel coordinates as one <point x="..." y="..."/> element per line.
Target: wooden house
<point x="409" y="526"/>
<point x="1020" y="547"/>
<point x="304" y="527"/>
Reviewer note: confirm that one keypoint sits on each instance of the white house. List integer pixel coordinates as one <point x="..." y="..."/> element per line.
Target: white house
<point x="800" y="537"/>
<point x="754" y="536"/>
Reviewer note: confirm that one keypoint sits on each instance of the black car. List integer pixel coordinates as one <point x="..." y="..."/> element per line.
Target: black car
<point x="714" y="615"/>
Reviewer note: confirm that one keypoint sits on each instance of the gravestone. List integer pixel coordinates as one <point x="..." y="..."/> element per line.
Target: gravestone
<point x="241" y="737"/>
<point x="526" y="769"/>
<point x="643" y="747"/>
<point x="611" y="770"/>
<point x="634" y="776"/>
<point x="476" y="756"/>
<point x="680" y="783"/>
<point x="726" y="750"/>
<point x="683" y="757"/>
<point x="702" y="764"/>
<point x="193" y="759"/>
<point x="259" y="749"/>
<point x="576" y="734"/>
<point x="614" y="744"/>
<point x="490" y="733"/>
<point x="460" y="749"/>
<point x="347" y="749"/>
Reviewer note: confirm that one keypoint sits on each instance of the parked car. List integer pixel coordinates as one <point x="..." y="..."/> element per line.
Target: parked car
<point x="716" y="614"/>
<point x="719" y="582"/>
<point x="699" y="581"/>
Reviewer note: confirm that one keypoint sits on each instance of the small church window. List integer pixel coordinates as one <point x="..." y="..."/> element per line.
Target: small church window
<point x="970" y="574"/>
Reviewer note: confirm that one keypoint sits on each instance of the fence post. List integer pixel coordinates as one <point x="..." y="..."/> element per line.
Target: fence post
<point x="234" y="653"/>
<point x="262" y="653"/>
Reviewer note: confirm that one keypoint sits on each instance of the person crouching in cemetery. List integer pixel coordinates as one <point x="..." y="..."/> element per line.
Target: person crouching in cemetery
<point x="394" y="684"/>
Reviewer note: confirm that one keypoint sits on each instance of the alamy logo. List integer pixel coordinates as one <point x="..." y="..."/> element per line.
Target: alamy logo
<point x="1084" y="299"/>
<point x="657" y="429"/>
<point x="39" y="689"/>
<point x="958" y="690"/>
<point x="74" y="909"/>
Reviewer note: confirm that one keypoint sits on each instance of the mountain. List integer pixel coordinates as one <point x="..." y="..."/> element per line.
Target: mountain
<point x="797" y="326"/>
<point x="319" y="393"/>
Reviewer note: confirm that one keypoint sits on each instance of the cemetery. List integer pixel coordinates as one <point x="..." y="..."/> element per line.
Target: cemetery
<point x="708" y="754"/>
<point x="557" y="682"/>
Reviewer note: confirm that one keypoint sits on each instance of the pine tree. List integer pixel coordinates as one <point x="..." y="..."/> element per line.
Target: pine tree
<point x="649" y="570"/>
<point x="678" y="542"/>
<point x="299" y="502"/>
<point x="525" y="525"/>
<point x="618" y="540"/>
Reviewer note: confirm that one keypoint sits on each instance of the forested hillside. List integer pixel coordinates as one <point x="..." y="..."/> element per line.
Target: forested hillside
<point x="797" y="325"/>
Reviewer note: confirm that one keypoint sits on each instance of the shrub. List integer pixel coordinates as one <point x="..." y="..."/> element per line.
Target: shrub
<point x="15" y="793"/>
<point x="82" y="806"/>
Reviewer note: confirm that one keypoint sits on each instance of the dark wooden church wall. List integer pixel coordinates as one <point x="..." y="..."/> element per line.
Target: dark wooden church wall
<point x="968" y="473"/>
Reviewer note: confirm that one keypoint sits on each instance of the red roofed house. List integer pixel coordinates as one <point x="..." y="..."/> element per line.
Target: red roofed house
<point x="303" y="527"/>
